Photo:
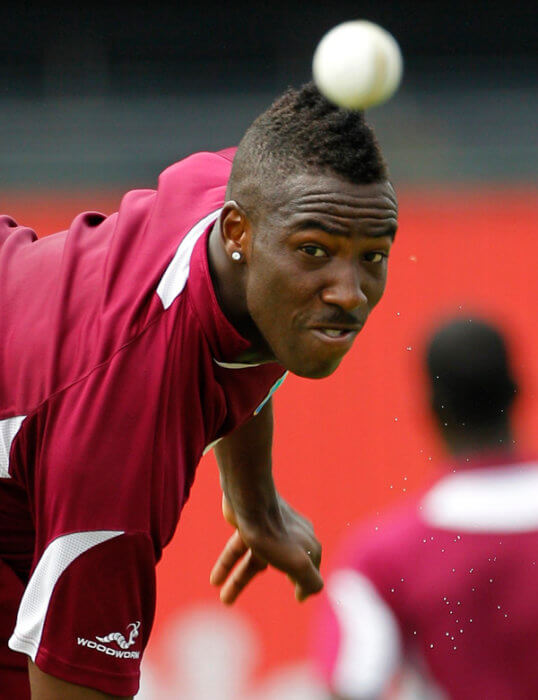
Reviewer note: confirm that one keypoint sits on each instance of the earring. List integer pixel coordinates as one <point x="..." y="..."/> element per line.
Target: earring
<point x="236" y="256"/>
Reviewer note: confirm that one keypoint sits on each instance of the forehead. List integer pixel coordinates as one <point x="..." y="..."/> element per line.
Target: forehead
<point x="337" y="202"/>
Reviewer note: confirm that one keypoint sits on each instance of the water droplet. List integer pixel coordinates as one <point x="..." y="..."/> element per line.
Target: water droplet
<point x="409" y="348"/>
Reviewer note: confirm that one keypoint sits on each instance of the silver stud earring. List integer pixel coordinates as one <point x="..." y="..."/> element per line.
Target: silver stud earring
<point x="236" y="256"/>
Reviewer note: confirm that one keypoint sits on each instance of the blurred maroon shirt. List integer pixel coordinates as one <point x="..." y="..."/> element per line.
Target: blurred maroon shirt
<point x="446" y="585"/>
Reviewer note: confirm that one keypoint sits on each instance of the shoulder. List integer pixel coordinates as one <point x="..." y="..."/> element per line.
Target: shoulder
<point x="203" y="169"/>
<point x="381" y="537"/>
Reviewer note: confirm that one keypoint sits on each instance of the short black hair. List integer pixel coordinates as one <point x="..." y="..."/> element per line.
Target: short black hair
<point x="302" y="131"/>
<point x="469" y="370"/>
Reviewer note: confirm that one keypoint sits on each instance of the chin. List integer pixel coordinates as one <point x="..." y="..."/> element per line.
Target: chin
<point x="312" y="371"/>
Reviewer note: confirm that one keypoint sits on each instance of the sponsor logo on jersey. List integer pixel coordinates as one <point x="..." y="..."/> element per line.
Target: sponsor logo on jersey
<point x="118" y="638"/>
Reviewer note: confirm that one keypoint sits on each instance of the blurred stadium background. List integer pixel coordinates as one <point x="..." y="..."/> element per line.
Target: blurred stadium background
<point x="98" y="98"/>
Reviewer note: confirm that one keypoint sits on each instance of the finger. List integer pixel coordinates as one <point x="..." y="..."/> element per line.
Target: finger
<point x="232" y="552"/>
<point x="306" y="577"/>
<point x="302" y="593"/>
<point x="241" y="576"/>
<point x="227" y="512"/>
<point x="315" y="554"/>
<point x="292" y="559"/>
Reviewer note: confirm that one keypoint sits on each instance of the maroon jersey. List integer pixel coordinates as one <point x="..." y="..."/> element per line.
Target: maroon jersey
<point x="447" y="586"/>
<point x="117" y="371"/>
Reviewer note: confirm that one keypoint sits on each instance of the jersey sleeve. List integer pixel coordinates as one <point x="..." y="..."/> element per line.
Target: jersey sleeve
<point x="88" y="608"/>
<point x="358" y="638"/>
<point x="357" y="641"/>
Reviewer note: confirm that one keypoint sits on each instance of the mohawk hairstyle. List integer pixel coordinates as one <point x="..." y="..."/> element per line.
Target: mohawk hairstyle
<point x="302" y="131"/>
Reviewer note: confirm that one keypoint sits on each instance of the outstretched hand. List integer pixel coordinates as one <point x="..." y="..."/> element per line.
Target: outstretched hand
<point x="283" y="539"/>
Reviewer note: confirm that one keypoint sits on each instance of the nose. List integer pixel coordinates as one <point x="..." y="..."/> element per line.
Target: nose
<point x="345" y="289"/>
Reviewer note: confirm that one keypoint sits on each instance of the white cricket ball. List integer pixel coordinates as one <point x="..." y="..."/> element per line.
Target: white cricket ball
<point x="357" y="64"/>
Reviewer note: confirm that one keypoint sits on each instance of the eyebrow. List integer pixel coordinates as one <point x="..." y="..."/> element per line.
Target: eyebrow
<point x="390" y="230"/>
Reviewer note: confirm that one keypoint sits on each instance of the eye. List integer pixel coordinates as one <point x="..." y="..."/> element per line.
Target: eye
<point x="315" y="251"/>
<point x="375" y="257"/>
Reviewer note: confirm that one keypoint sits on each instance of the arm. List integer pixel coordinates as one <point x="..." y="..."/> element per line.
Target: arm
<point x="46" y="687"/>
<point x="268" y="530"/>
<point x="358" y="642"/>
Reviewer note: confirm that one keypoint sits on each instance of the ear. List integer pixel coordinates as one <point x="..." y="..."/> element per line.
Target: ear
<point x="235" y="229"/>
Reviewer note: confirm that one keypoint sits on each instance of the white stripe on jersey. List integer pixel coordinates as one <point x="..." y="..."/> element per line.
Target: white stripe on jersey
<point x="236" y="365"/>
<point x="9" y="427"/>
<point x="176" y="274"/>
<point x="370" y="647"/>
<point x="60" y="553"/>
<point x="485" y="500"/>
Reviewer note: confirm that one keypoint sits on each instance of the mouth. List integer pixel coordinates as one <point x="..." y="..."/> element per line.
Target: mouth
<point x="336" y="336"/>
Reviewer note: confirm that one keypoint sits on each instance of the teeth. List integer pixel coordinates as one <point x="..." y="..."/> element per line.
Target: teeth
<point x="333" y="332"/>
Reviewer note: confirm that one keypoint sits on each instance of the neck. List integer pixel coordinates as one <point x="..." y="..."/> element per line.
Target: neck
<point x="465" y="441"/>
<point x="229" y="284"/>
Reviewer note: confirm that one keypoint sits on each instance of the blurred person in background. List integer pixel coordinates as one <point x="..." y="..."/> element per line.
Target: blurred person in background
<point x="134" y="342"/>
<point x="440" y="600"/>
